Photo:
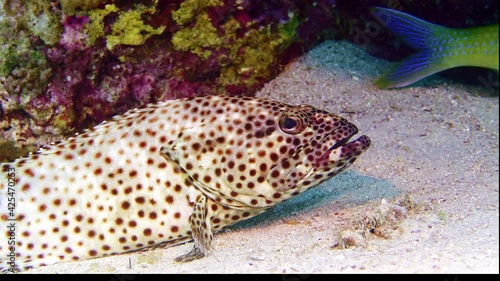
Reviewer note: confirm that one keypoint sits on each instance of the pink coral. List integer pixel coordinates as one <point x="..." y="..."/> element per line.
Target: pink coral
<point x="143" y="87"/>
<point x="73" y="38"/>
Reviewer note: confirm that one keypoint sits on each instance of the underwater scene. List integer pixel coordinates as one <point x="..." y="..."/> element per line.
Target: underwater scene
<point x="235" y="136"/>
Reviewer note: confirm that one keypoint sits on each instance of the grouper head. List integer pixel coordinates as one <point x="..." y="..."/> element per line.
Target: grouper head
<point x="257" y="153"/>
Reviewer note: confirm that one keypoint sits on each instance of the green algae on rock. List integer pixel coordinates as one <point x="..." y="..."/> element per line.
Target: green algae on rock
<point x="197" y="38"/>
<point x="128" y="29"/>
<point x="251" y="53"/>
<point x="189" y="9"/>
<point x="67" y="65"/>
<point x="72" y="7"/>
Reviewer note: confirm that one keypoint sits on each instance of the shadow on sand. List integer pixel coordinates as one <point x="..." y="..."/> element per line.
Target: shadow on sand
<point x="347" y="188"/>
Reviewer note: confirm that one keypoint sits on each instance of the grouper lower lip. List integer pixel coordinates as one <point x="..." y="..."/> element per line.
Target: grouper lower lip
<point x="356" y="146"/>
<point x="348" y="148"/>
<point x="363" y="140"/>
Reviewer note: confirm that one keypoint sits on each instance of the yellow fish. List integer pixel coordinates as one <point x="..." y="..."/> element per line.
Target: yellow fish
<point x="438" y="48"/>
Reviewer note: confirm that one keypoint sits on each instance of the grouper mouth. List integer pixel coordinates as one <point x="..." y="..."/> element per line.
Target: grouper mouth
<point x="342" y="142"/>
<point x="323" y="157"/>
<point x="346" y="148"/>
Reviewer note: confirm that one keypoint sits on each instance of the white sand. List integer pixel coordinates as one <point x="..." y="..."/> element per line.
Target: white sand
<point x="437" y="141"/>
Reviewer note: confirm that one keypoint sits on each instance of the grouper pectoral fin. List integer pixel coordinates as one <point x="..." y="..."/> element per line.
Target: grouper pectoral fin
<point x="199" y="222"/>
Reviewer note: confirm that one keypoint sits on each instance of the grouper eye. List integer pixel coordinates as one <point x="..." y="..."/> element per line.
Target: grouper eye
<point x="291" y="124"/>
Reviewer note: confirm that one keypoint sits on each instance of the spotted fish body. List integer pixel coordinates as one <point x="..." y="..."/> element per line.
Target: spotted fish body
<point x="168" y="173"/>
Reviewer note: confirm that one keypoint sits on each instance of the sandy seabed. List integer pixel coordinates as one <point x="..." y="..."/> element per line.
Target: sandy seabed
<point x="423" y="199"/>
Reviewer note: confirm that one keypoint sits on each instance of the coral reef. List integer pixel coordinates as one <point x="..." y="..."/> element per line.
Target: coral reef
<point x="67" y="65"/>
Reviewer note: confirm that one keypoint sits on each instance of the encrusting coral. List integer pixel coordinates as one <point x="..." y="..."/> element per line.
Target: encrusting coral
<point x="68" y="65"/>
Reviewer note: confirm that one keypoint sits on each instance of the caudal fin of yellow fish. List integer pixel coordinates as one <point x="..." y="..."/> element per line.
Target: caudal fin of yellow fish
<point x="412" y="69"/>
<point x="417" y="34"/>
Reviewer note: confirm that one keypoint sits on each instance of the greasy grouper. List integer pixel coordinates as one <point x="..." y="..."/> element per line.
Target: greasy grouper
<point x="165" y="174"/>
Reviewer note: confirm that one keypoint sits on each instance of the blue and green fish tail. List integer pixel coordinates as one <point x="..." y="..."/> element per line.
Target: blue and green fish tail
<point x="437" y="48"/>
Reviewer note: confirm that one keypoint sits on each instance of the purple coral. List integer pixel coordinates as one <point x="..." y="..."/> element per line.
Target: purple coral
<point x="143" y="87"/>
<point x="73" y="37"/>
